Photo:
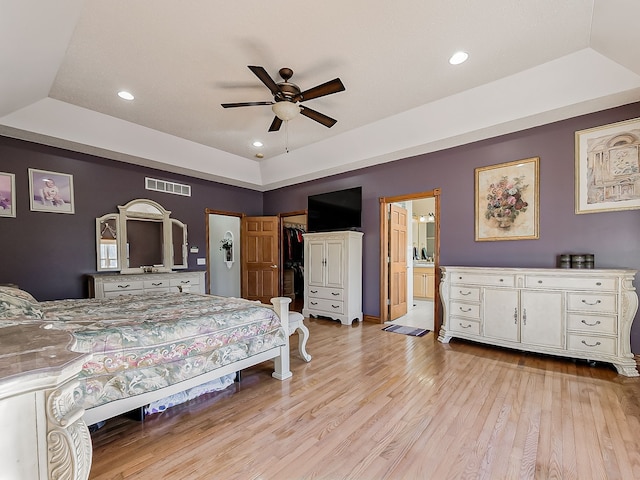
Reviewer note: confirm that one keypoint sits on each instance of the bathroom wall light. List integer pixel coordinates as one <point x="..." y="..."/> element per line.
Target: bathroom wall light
<point x="431" y="218"/>
<point x="423" y="218"/>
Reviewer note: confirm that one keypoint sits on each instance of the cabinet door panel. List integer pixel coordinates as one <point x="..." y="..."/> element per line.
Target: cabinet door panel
<point x="316" y="259"/>
<point x="542" y="319"/>
<point x="334" y="264"/>
<point x="501" y="314"/>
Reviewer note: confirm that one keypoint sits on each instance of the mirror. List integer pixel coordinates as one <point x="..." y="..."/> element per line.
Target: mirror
<point x="107" y="242"/>
<point x="141" y="238"/>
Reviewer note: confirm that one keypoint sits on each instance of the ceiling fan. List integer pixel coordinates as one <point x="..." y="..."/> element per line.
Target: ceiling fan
<point x="287" y="98"/>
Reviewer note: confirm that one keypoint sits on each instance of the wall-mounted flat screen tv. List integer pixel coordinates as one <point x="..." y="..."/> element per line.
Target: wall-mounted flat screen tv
<point x="339" y="210"/>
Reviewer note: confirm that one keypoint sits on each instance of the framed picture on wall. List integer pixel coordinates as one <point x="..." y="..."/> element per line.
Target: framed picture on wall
<point x="607" y="175"/>
<point x="507" y="201"/>
<point x="7" y="195"/>
<point x="51" y="191"/>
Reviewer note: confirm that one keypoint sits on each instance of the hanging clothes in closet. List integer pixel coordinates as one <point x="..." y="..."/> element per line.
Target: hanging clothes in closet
<point x="293" y="255"/>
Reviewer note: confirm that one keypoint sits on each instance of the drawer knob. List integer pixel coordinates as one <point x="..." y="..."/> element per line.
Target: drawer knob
<point x="185" y="281"/>
<point x="591" y="324"/>
<point x="598" y="283"/>
<point x="465" y="326"/>
<point x="157" y="284"/>
<point x="335" y="306"/>
<point x="459" y="278"/>
<point x="539" y="281"/>
<point x="314" y="291"/>
<point x="501" y="280"/>
<point x="335" y="294"/>
<point x="314" y="303"/>
<point x="587" y="303"/>
<point x="463" y="310"/>
<point x="465" y="294"/>
<point x="597" y="344"/>
<point x="124" y="286"/>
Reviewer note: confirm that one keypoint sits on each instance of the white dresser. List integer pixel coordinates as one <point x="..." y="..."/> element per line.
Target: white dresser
<point x="567" y="312"/>
<point x="103" y="285"/>
<point x="333" y="275"/>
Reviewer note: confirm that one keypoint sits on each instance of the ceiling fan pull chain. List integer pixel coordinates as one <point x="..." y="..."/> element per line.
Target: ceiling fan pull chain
<point x="286" y="136"/>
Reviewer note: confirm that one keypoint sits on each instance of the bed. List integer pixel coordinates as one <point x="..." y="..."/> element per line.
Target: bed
<point x="147" y="347"/>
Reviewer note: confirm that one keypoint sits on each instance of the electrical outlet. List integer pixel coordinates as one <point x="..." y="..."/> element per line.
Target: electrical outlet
<point x="202" y="261"/>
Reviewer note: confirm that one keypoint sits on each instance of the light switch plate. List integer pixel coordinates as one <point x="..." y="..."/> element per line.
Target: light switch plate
<point x="202" y="261"/>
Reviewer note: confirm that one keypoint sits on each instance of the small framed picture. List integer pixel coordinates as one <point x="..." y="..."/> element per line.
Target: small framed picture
<point x="51" y="191"/>
<point x="508" y="201"/>
<point x="7" y="195"/>
<point x="608" y="168"/>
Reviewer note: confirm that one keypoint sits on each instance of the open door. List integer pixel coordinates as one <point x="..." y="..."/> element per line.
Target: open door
<point x="260" y="261"/>
<point x="398" y="218"/>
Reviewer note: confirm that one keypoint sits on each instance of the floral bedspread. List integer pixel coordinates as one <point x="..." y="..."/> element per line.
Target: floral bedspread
<point x="146" y="342"/>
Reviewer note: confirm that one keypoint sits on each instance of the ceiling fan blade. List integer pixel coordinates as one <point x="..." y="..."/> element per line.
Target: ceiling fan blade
<point x="317" y="116"/>
<point x="264" y="77"/>
<point x="244" y="104"/>
<point x="275" y="125"/>
<point x="332" y="86"/>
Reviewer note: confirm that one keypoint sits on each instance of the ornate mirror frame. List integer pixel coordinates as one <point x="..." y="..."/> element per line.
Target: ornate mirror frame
<point x="172" y="238"/>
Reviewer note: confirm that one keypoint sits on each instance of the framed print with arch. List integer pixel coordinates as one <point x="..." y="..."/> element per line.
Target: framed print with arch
<point x="607" y="175"/>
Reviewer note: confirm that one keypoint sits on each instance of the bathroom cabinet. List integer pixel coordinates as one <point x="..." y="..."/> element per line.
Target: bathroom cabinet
<point x="424" y="282"/>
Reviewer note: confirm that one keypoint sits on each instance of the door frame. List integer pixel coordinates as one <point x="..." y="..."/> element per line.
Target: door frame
<point x="384" y="252"/>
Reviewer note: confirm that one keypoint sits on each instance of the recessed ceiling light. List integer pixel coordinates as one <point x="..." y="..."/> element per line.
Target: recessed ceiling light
<point x="125" y="95"/>
<point x="458" y="58"/>
<point x="257" y="143"/>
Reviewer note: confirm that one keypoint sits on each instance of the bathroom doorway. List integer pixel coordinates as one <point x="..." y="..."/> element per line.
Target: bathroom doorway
<point x="409" y="244"/>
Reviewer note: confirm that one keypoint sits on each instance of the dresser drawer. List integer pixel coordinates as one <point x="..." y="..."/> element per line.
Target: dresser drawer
<point x="592" y="323"/>
<point x="480" y="279"/>
<point x="590" y="344"/>
<point x="122" y="286"/>
<point x="331" y="306"/>
<point x="181" y="282"/>
<point x="328" y="293"/>
<point x="154" y="285"/>
<point x="464" y="325"/>
<point x="471" y="294"/>
<point x="570" y="283"/>
<point x="591" y="302"/>
<point x="123" y="292"/>
<point x="467" y="310"/>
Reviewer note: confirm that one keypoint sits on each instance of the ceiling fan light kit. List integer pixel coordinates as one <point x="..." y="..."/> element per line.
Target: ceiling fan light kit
<point x="287" y="98"/>
<point x="285" y="110"/>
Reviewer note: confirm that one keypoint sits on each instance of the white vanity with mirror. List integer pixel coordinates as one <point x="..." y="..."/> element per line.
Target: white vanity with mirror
<point x="140" y="247"/>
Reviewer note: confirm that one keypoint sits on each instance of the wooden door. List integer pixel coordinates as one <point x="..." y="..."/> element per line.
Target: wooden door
<point x="397" y="262"/>
<point x="260" y="269"/>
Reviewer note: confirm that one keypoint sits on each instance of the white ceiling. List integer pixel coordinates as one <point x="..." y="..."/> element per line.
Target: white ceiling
<point x="531" y="62"/>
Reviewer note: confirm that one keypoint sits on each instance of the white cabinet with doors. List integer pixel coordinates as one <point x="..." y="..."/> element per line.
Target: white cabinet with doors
<point x="566" y="312"/>
<point x="333" y="275"/>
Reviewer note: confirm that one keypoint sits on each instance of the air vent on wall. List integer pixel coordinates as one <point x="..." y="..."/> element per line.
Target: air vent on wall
<point x="167" y="187"/>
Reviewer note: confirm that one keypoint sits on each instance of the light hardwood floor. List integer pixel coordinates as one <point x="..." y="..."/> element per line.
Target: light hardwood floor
<point x="375" y="405"/>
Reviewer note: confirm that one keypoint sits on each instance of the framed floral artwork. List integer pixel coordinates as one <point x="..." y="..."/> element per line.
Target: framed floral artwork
<point x="508" y="201"/>
<point x="51" y="191"/>
<point x="607" y="171"/>
<point x="7" y="195"/>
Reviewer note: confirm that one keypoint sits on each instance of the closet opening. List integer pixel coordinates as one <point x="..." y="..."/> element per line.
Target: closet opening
<point x="293" y="226"/>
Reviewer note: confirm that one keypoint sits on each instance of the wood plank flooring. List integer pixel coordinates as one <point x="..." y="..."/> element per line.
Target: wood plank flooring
<point x="379" y="405"/>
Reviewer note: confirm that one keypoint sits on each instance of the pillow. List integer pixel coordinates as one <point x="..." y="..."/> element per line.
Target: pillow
<point x="18" y="303"/>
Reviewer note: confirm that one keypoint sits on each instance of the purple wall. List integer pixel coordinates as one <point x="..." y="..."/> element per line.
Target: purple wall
<point x="614" y="237"/>
<point x="47" y="254"/>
